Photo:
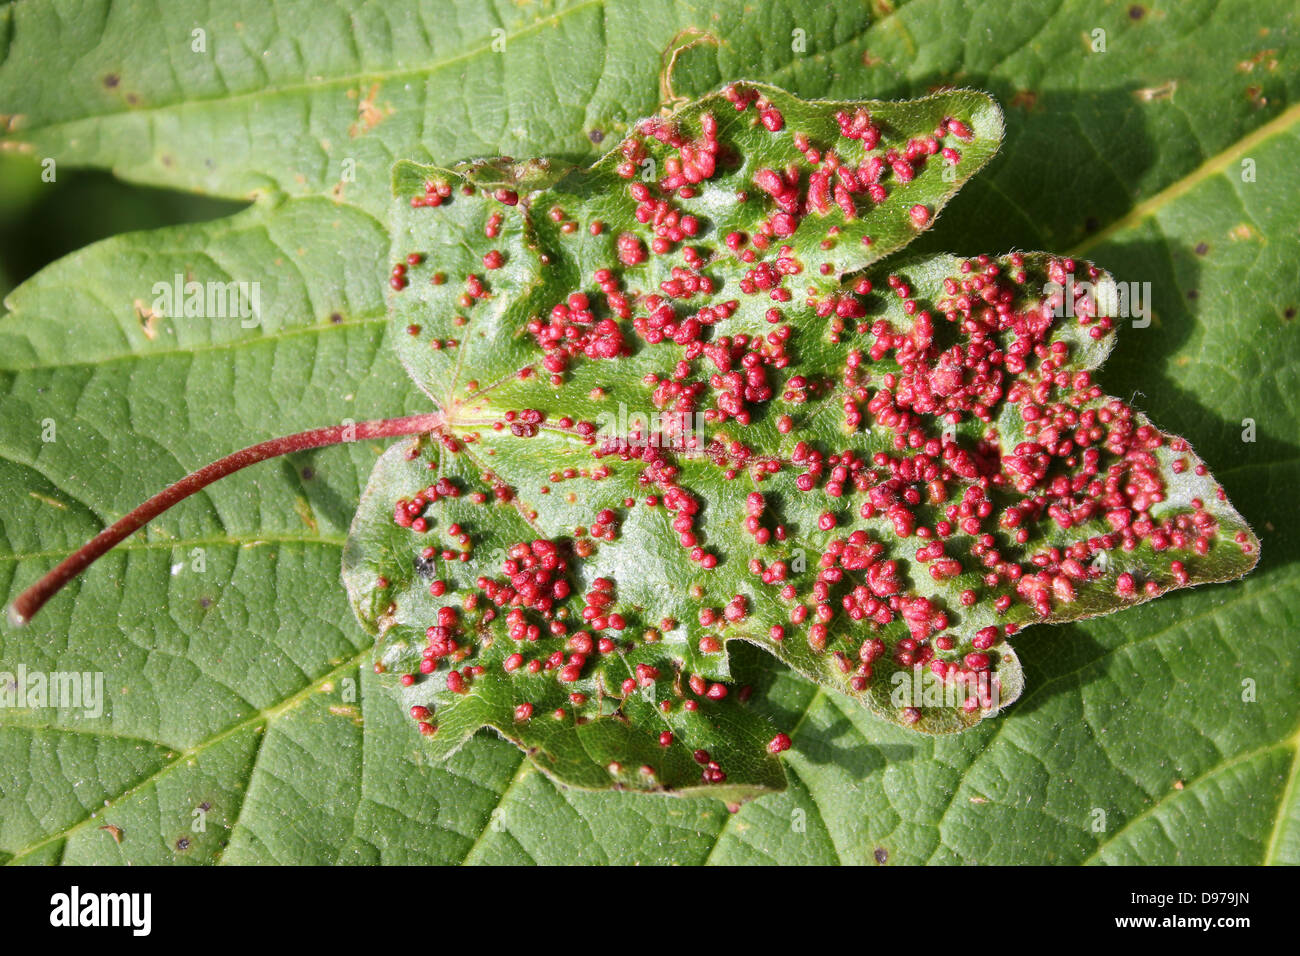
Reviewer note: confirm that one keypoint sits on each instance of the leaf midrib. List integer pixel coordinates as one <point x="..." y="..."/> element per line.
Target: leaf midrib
<point x="1293" y="741"/>
<point x="1210" y="167"/>
<point x="262" y="717"/>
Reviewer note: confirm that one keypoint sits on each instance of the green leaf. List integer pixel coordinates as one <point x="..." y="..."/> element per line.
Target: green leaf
<point x="975" y="479"/>
<point x="1136" y="152"/>
<point x="602" y="741"/>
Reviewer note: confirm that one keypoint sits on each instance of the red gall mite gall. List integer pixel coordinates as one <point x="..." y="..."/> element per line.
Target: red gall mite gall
<point x="570" y="673"/>
<point x="959" y="129"/>
<point x="779" y="744"/>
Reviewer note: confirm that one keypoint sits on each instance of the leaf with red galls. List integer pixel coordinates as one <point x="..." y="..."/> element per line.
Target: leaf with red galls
<point x="683" y="405"/>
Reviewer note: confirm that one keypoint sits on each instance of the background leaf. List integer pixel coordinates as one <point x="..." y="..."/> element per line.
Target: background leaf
<point x="1132" y="157"/>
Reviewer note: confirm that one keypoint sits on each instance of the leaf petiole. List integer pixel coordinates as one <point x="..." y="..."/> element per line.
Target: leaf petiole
<point x="33" y="599"/>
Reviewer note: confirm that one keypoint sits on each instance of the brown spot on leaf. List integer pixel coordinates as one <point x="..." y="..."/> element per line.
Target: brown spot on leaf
<point x="1150" y="94"/>
<point x="148" y="319"/>
<point x="305" y="515"/>
<point x="369" y="115"/>
<point x="114" y="831"/>
<point x="1024" y="99"/>
<point x="1265" y="58"/>
<point x="111" y="80"/>
<point x="349" y="711"/>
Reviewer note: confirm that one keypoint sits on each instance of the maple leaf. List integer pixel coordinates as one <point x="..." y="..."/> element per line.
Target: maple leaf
<point x="683" y="403"/>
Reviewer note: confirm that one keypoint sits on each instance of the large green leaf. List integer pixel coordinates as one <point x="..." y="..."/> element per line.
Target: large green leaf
<point x="1136" y="151"/>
